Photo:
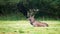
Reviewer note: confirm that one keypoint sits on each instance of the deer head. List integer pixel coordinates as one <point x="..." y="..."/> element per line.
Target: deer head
<point x="31" y="15"/>
<point x="31" y="19"/>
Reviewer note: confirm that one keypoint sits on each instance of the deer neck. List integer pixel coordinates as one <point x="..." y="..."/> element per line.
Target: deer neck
<point x="32" y="20"/>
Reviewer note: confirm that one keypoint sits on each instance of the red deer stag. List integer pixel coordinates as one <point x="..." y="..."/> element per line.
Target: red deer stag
<point x="34" y="22"/>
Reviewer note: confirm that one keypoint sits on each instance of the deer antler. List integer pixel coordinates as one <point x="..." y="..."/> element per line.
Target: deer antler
<point x="32" y="12"/>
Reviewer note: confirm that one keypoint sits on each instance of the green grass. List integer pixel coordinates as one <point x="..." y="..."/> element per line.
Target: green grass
<point x="24" y="27"/>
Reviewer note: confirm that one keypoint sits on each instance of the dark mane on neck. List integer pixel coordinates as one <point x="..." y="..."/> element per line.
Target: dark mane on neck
<point x="32" y="22"/>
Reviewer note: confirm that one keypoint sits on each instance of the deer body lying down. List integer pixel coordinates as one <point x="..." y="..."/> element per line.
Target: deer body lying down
<point x="36" y="23"/>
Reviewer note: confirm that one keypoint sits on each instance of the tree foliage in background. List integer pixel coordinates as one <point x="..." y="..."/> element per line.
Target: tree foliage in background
<point x="50" y="8"/>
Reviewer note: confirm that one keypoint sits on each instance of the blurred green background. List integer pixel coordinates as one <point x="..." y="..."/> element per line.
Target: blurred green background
<point x="12" y="21"/>
<point x="48" y="9"/>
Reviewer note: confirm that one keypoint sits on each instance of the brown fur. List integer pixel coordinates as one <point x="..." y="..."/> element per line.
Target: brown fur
<point x="36" y="23"/>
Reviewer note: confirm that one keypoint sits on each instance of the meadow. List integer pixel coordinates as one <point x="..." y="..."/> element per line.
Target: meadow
<point x="13" y="16"/>
<point x="24" y="27"/>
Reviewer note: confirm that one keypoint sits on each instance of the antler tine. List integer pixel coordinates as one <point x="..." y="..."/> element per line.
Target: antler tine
<point x="32" y="12"/>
